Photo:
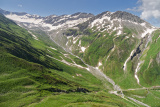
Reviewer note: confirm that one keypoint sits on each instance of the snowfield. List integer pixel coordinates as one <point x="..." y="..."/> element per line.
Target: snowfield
<point x="23" y="18"/>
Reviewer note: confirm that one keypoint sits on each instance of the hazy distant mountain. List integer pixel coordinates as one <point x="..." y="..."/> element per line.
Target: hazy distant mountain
<point x="51" y="22"/>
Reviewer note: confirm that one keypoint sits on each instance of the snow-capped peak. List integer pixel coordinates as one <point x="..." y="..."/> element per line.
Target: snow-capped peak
<point x="48" y="23"/>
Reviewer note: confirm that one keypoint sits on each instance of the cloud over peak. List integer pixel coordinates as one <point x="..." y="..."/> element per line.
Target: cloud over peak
<point x="150" y="9"/>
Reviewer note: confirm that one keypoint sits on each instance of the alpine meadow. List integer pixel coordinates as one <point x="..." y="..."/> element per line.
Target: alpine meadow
<point x="111" y="59"/>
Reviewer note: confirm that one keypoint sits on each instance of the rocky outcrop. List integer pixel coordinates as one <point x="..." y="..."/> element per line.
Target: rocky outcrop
<point x="126" y="16"/>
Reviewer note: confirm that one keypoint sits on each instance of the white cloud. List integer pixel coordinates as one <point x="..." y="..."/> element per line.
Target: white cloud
<point x="133" y="9"/>
<point x="150" y="9"/>
<point x="19" y="5"/>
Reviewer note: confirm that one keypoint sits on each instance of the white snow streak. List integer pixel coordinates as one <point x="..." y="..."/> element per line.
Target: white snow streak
<point x="35" y="37"/>
<point x="79" y="43"/>
<point x="125" y="64"/>
<point x="136" y="71"/>
<point x="75" y="39"/>
<point x="53" y="48"/>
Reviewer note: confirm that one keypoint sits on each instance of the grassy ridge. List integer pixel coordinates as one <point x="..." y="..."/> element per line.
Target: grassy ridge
<point x="124" y="44"/>
<point x="150" y="97"/>
<point x="99" y="48"/>
<point x="27" y="74"/>
<point x="99" y="99"/>
<point x="150" y="70"/>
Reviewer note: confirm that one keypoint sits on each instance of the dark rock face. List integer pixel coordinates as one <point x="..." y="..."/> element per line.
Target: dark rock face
<point x="126" y="16"/>
<point x="67" y="91"/>
<point x="56" y="20"/>
<point x="81" y="90"/>
<point x="106" y="13"/>
<point x="137" y="52"/>
<point x="82" y="15"/>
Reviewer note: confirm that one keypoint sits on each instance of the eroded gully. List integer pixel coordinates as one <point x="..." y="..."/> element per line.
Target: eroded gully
<point x="100" y="75"/>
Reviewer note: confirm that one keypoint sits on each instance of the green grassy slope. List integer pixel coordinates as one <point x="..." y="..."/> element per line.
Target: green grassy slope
<point x="27" y="73"/>
<point x="150" y="69"/>
<point x="98" y="99"/>
<point x="124" y="44"/>
<point x="149" y="96"/>
<point x="111" y="50"/>
<point x="32" y="70"/>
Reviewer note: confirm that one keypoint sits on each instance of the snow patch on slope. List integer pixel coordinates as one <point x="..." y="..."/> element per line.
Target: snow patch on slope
<point x="136" y="71"/>
<point x="100" y="20"/>
<point x="147" y="31"/>
<point x="83" y="49"/>
<point x="125" y="64"/>
<point x="119" y="32"/>
<point x="99" y="64"/>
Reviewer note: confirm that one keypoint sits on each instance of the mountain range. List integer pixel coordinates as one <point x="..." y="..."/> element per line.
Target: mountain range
<point x="109" y="59"/>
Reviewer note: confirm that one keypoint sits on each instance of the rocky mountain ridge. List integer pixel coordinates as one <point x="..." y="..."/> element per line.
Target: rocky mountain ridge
<point x="110" y="21"/>
<point x="47" y="23"/>
<point x="116" y="21"/>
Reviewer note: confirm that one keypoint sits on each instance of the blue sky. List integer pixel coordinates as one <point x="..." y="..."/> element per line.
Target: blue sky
<point x="59" y="7"/>
<point x="146" y="9"/>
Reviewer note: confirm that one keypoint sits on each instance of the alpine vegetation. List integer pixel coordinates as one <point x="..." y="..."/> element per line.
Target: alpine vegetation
<point x="111" y="59"/>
